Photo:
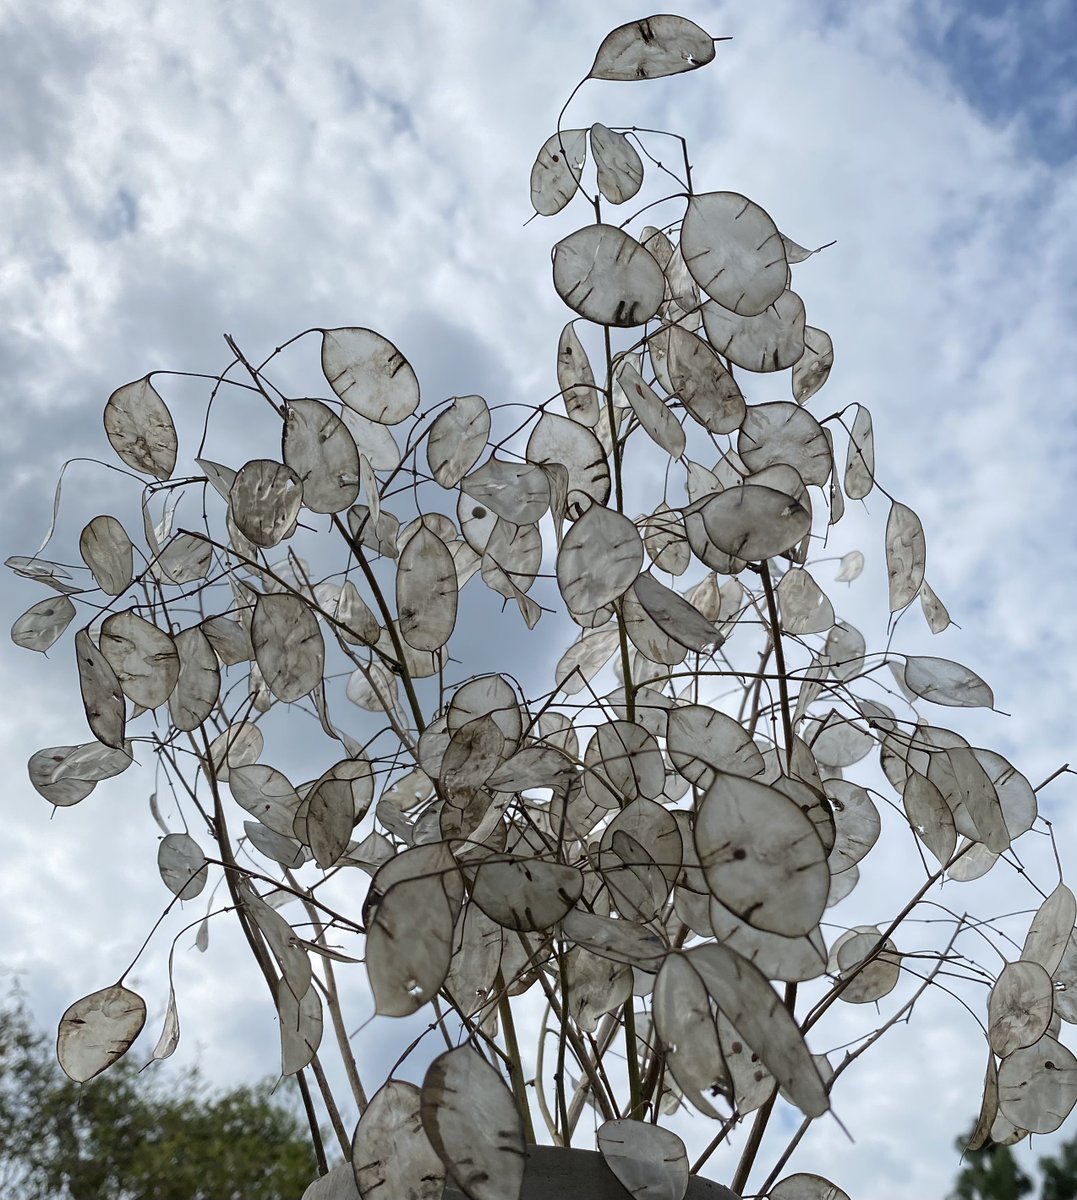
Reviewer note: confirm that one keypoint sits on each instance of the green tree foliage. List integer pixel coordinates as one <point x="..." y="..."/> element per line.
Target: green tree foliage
<point x="126" y="1136"/>
<point x="1060" y="1174"/>
<point x="993" y="1173"/>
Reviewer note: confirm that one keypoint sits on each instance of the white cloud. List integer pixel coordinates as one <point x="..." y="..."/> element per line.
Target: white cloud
<point x="179" y="171"/>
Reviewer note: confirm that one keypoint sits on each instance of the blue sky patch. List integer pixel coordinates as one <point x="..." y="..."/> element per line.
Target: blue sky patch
<point x="121" y="216"/>
<point x="1014" y="61"/>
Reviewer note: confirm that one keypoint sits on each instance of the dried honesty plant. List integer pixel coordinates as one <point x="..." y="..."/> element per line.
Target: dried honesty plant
<point x="644" y="845"/>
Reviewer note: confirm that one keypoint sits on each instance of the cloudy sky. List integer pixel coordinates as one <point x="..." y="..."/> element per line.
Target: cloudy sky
<point x="177" y="172"/>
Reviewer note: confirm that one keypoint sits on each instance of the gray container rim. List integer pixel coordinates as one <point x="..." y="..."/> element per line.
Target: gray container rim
<point x="567" y="1173"/>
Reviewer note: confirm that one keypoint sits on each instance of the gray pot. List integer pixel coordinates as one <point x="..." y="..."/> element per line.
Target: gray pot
<point x="557" y="1173"/>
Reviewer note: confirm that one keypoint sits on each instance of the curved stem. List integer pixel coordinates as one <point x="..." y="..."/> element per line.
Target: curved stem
<point x="540" y="1095"/>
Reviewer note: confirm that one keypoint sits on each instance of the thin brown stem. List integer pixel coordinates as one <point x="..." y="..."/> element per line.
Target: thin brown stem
<point x="279" y="409"/>
<point x="762" y="1118"/>
<point x="635" y="1088"/>
<point x="387" y="617"/>
<point x="331" y="1106"/>
<point x="902" y="1014"/>
<point x="312" y="1121"/>
<point x="714" y="1143"/>
<point x="607" y="1031"/>
<point x="817" y="1012"/>
<point x="332" y="999"/>
<point x="540" y="1092"/>
<point x="516" y="1072"/>
<point x="779" y="660"/>
<point x="605" y="1101"/>
<point x="559" y="1081"/>
<point x="755" y="1139"/>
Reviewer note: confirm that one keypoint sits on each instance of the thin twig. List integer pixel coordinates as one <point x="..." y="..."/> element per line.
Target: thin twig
<point x="851" y="1057"/>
